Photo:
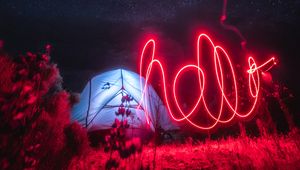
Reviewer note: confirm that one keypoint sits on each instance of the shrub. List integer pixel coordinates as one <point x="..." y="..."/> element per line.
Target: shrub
<point x="35" y="116"/>
<point x="116" y="141"/>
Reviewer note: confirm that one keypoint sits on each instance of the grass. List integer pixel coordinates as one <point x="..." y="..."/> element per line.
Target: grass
<point x="269" y="152"/>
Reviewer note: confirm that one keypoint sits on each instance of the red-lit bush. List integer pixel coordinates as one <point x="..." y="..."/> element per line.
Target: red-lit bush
<point x="116" y="140"/>
<point x="35" y="129"/>
<point x="76" y="139"/>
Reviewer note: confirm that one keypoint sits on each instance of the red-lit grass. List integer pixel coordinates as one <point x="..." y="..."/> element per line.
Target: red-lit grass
<point x="271" y="152"/>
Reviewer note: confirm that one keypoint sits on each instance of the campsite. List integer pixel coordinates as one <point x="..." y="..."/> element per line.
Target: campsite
<point x="149" y="85"/>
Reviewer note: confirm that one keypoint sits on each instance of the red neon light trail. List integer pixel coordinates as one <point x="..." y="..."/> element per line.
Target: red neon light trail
<point x="145" y="70"/>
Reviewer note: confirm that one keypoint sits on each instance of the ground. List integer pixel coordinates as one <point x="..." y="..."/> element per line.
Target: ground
<point x="268" y="152"/>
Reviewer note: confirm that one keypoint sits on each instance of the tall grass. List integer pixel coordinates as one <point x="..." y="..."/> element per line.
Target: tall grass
<point x="267" y="152"/>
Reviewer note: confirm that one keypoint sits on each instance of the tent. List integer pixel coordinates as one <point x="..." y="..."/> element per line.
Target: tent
<point x="102" y="96"/>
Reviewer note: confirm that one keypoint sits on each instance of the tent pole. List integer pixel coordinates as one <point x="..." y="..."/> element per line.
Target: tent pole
<point x="88" y="110"/>
<point x="122" y="79"/>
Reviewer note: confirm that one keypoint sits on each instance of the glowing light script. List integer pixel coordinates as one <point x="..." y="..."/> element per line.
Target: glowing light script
<point x="235" y="110"/>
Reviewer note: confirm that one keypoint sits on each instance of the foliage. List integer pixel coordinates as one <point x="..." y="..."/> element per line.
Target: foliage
<point x="34" y="113"/>
<point x="116" y="141"/>
<point x="265" y="152"/>
<point x="76" y="139"/>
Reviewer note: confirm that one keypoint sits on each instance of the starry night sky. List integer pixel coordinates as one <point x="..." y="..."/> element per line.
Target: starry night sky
<point x="89" y="37"/>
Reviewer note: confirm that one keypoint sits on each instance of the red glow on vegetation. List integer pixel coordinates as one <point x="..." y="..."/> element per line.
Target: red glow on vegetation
<point x="254" y="84"/>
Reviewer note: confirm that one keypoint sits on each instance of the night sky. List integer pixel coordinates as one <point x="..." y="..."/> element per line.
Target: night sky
<point x="89" y="37"/>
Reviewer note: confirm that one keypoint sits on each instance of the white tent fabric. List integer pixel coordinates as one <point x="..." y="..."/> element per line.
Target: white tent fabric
<point x="101" y="98"/>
